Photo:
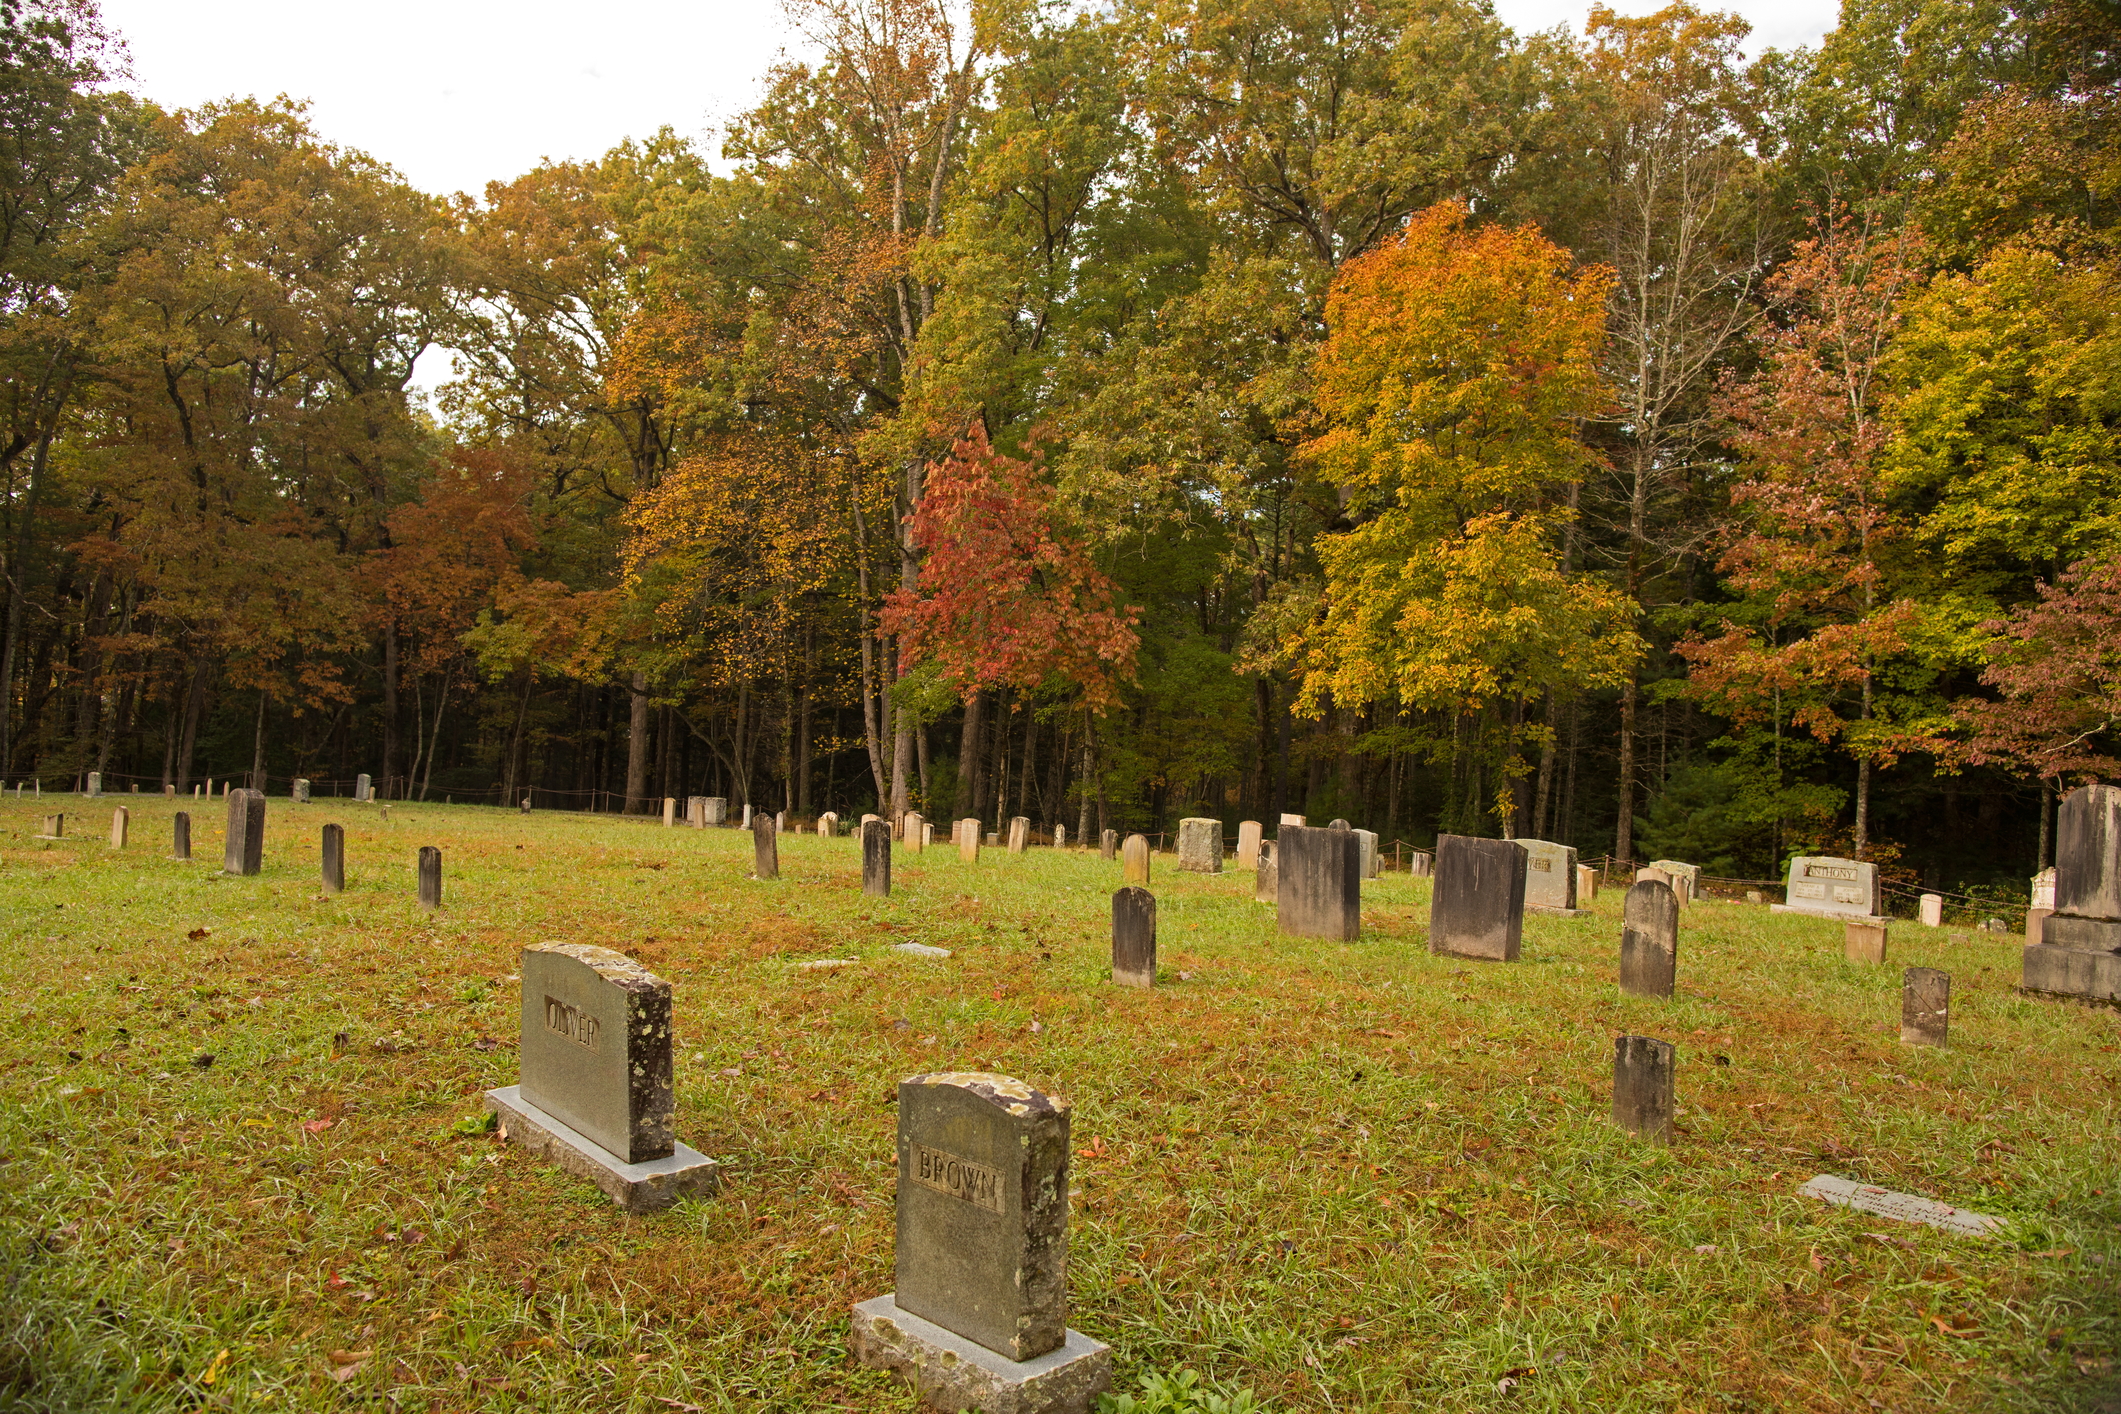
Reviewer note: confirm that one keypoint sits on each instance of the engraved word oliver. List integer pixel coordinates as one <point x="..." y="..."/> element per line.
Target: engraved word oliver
<point x="960" y="1178"/>
<point x="572" y="1022"/>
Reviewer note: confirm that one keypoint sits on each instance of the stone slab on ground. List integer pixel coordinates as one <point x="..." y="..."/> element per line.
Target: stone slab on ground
<point x="2051" y="970"/>
<point x="638" y="1188"/>
<point x="1902" y="1207"/>
<point x="920" y="950"/>
<point x="953" y="1373"/>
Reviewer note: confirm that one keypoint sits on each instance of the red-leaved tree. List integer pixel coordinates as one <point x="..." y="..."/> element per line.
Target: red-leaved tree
<point x="2057" y="668"/>
<point x="1007" y="596"/>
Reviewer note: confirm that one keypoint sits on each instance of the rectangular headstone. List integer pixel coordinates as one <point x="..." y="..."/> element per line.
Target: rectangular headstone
<point x="1134" y="860"/>
<point x="1019" y="834"/>
<point x="1642" y="1087"/>
<point x="2088" y="854"/>
<point x="1831" y="888"/>
<point x="1476" y="907"/>
<point x="1932" y="910"/>
<point x="745" y="822"/>
<point x="95" y="783"/>
<point x="334" y="852"/>
<point x="243" y="850"/>
<point x="670" y="812"/>
<point x="1686" y="878"/>
<point x="1421" y="865"/>
<point x="1925" y="1006"/>
<point x="696" y="811"/>
<point x="1266" y="882"/>
<point x="1586" y="884"/>
<point x="54" y="827"/>
<point x="1863" y="942"/>
<point x="2036" y="924"/>
<point x="714" y="811"/>
<point x="1649" y="940"/>
<point x="1134" y="937"/>
<point x="1367" y="841"/>
<point x="1902" y="1207"/>
<point x="120" y="824"/>
<point x="1108" y="845"/>
<point x="876" y="858"/>
<point x="1549" y="877"/>
<point x="180" y="836"/>
<point x="430" y="877"/>
<point x="1248" y="840"/>
<point x="1200" y="845"/>
<point x="914" y="832"/>
<point x="300" y="790"/>
<point x="968" y="840"/>
<point x="1318" y="883"/>
<point x="362" y="789"/>
<point x="2044" y="888"/>
<point x="765" y="848"/>
<point x="1292" y="819"/>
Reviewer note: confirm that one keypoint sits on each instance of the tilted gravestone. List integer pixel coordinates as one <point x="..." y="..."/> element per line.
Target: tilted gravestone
<point x="1318" y="883"/>
<point x="1266" y="882"/>
<point x="1019" y="834"/>
<point x="1248" y="841"/>
<point x="1649" y="940"/>
<point x="1134" y="860"/>
<point x="430" y="877"/>
<point x="765" y="848"/>
<point x="979" y="1316"/>
<point x="1831" y="888"/>
<point x="876" y="858"/>
<point x="1476" y="907"/>
<point x="968" y="840"/>
<point x="1549" y="878"/>
<point x="2079" y="952"/>
<point x="1642" y="1087"/>
<point x="334" y="859"/>
<point x="120" y="824"/>
<point x="243" y="849"/>
<point x="1108" y="845"/>
<point x="1863" y="942"/>
<point x="1925" y="1006"/>
<point x="1200" y="845"/>
<point x="596" y="1094"/>
<point x="363" y="789"/>
<point x="180" y="836"/>
<point x="1134" y="937"/>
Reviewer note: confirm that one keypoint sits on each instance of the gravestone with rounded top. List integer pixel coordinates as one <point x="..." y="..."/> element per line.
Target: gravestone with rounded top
<point x="1200" y="845"/>
<point x="1550" y="878"/>
<point x="1827" y="887"/>
<point x="1060" y="836"/>
<point x="1649" y="939"/>
<point x="876" y="858"/>
<point x="978" y="1316"/>
<point x="1476" y="907"/>
<point x="2079" y="952"/>
<point x="1134" y="937"/>
<point x="596" y="1094"/>
<point x="243" y="848"/>
<point x="913" y="832"/>
<point x="765" y="847"/>
<point x="1248" y="841"/>
<point x="1931" y="909"/>
<point x="670" y="812"/>
<point x="1318" y="883"/>
<point x="1134" y="860"/>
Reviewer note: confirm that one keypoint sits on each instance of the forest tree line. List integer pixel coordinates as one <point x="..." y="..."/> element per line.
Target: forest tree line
<point x="1179" y="407"/>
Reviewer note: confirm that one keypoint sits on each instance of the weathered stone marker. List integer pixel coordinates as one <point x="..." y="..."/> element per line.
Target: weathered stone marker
<point x="714" y="811"/>
<point x="979" y="1319"/>
<point x="1134" y="860"/>
<point x="670" y="812"/>
<point x="1336" y="824"/>
<point x="1586" y="884"/>
<point x="1200" y="845"/>
<point x="1830" y="888"/>
<point x="300" y="792"/>
<point x="1421" y="865"/>
<point x="1549" y="878"/>
<point x="1932" y="910"/>
<point x="1134" y="937"/>
<point x="1266" y="881"/>
<point x="363" y="789"/>
<point x="876" y="858"/>
<point x="1318" y="883"/>
<point x="120" y="822"/>
<point x="596" y="1094"/>
<point x="915" y="832"/>
<point x="1060" y="836"/>
<point x="54" y="827"/>
<point x="334" y="859"/>
<point x="696" y="811"/>
<point x="1649" y="940"/>
<point x="180" y="836"/>
<point x="1248" y="841"/>
<point x="243" y="851"/>
<point x="1108" y="845"/>
<point x="95" y="783"/>
<point x="828" y="824"/>
<point x="1901" y="1207"/>
<point x="765" y="848"/>
<point x="1019" y="834"/>
<point x="1925" y="1006"/>
<point x="1686" y="878"/>
<point x="1642" y="1087"/>
<point x="1476" y="908"/>
<point x="968" y="840"/>
<point x="1863" y="942"/>
<point x="2079" y="952"/>
<point x="1292" y="819"/>
<point x="430" y="877"/>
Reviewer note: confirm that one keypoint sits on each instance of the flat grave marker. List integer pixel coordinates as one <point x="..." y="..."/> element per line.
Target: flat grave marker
<point x="1901" y="1207"/>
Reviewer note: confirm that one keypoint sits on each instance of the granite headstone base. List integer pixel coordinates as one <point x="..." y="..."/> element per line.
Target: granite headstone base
<point x="2057" y="971"/>
<point x="953" y="1373"/>
<point x="638" y="1188"/>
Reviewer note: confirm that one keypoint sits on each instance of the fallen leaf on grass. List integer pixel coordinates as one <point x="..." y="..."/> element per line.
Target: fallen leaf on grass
<point x="2056" y="1252"/>
<point x="1945" y="1327"/>
<point x="1706" y="1249"/>
<point x="317" y="1126"/>
<point x="681" y="1404"/>
<point x="1818" y="1262"/>
<point x="1095" y="1151"/>
<point x="198" y="933"/>
<point x="1889" y="1240"/>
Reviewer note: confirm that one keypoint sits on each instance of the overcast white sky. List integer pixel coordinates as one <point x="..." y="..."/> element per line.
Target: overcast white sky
<point x="455" y="93"/>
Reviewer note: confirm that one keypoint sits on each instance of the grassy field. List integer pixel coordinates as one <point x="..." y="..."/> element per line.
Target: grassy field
<point x="241" y="1161"/>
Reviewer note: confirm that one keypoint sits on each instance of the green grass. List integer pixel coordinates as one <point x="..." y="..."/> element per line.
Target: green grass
<point x="1347" y="1176"/>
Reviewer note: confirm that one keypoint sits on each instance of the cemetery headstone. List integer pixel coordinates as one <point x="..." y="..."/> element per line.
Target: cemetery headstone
<point x="363" y="788"/>
<point x="927" y="835"/>
<point x="526" y="805"/>
<point x="169" y="792"/>
<point x="968" y="840"/>
<point x="828" y="824"/>
<point x="1755" y="896"/>
<point x="670" y="812"/>
<point x="1863" y="942"/>
<point x="95" y="783"/>
<point x="300" y="790"/>
<point x="1292" y="819"/>
<point x="1647" y="873"/>
<point x="1134" y="860"/>
<point x="1134" y="937"/>
<point x="1931" y="907"/>
<point x="1586" y="884"/>
<point x="1550" y="878"/>
<point x="915" y="832"/>
<point x="2079" y="952"/>
<point x="180" y="836"/>
<point x="244" y="849"/>
<point x="1421" y="865"/>
<point x="780" y="820"/>
<point x="1925" y="1006"/>
<point x="696" y="811"/>
<point x="1266" y="880"/>
<point x="1649" y="940"/>
<point x="2036" y="924"/>
<point x="1642" y="1087"/>
<point x="120" y="821"/>
<point x="2044" y="888"/>
<point x="876" y="858"/>
<point x="54" y="827"/>
<point x="334" y="859"/>
<point x="1686" y="878"/>
<point x="994" y="839"/>
<point x="745" y="823"/>
<point x="1830" y="888"/>
<point x="596" y="1093"/>
<point x="430" y="877"/>
<point x="1318" y="883"/>
<point x="978" y="1319"/>
<point x="1108" y="845"/>
<point x="765" y="848"/>
<point x="1200" y="845"/>
<point x="1060" y="836"/>
<point x="1476" y="908"/>
<point x="1367" y="840"/>
<point x="1336" y="824"/>
<point x="1248" y="839"/>
<point x="714" y="812"/>
<point x="1019" y="834"/>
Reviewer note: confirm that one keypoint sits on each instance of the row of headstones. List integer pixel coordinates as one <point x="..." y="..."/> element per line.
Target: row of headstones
<point x="299" y="791"/>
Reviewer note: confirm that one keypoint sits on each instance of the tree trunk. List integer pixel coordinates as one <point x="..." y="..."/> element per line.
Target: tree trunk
<point x="194" y="708"/>
<point x="257" y="748"/>
<point x="637" y="745"/>
<point x="1624" y="829"/>
<point x="968" y="758"/>
<point x="390" y="704"/>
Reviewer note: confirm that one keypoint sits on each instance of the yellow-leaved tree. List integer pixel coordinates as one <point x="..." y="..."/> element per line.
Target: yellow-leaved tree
<point x="1460" y="363"/>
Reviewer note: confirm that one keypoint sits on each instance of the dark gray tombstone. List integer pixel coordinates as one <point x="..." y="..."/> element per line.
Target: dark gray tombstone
<point x="2079" y="949"/>
<point x="1925" y="1006"/>
<point x="1476" y="906"/>
<point x="54" y="827"/>
<point x="362" y="790"/>
<point x="334" y="859"/>
<point x="597" y="1094"/>
<point x="1642" y="1087"/>
<point x="876" y="858"/>
<point x="1134" y="937"/>
<point x="180" y="836"/>
<point x="1649" y="940"/>
<point x="1336" y="824"/>
<point x="978" y="1319"/>
<point x="765" y="847"/>
<point x="1108" y="845"/>
<point x="1318" y="882"/>
<point x="430" y="877"/>
<point x="243" y="852"/>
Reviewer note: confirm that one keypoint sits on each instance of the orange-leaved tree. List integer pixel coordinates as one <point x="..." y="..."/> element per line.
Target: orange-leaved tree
<point x="1008" y="595"/>
<point x="1459" y="365"/>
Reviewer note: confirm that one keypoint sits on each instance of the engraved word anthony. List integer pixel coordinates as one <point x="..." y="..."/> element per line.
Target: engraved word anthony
<point x="960" y="1178"/>
<point x="1829" y="871"/>
<point x="573" y="1023"/>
